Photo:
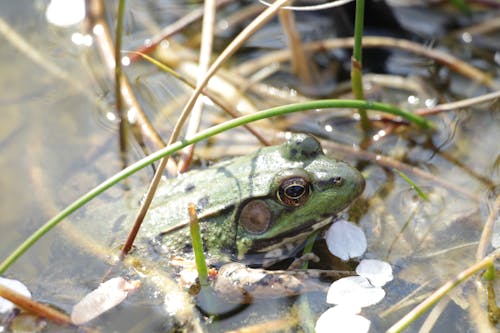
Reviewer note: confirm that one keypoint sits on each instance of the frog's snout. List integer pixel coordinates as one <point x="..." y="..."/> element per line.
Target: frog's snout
<point x="356" y="182"/>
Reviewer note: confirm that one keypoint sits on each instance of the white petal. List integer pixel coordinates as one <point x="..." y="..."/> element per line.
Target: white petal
<point x="376" y="271"/>
<point x="339" y="319"/>
<point x="354" y="291"/>
<point x="108" y="295"/>
<point x="20" y="288"/>
<point x="345" y="240"/>
<point x="64" y="13"/>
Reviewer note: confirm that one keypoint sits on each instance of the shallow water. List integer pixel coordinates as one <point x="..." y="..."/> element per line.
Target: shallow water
<point x="57" y="143"/>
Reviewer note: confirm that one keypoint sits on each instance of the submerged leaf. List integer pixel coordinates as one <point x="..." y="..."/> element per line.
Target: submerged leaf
<point x="108" y="295"/>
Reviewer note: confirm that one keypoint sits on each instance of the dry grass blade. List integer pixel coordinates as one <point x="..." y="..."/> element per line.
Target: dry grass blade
<point x="442" y="58"/>
<point x="207" y="37"/>
<point x="434" y="315"/>
<point x="485" y="239"/>
<point x="226" y="106"/>
<point x="106" y="48"/>
<point x="438" y="294"/>
<point x="173" y="28"/>
<point x="299" y="61"/>
<point x="32" y="306"/>
<point x="491" y="97"/>
<point x="480" y="28"/>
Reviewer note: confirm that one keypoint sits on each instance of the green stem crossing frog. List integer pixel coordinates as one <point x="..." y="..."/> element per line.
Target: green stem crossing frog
<point x="257" y="207"/>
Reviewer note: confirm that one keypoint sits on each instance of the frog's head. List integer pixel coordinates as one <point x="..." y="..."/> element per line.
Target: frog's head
<point x="311" y="188"/>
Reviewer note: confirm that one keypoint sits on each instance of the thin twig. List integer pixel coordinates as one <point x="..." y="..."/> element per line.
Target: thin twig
<point x="207" y="37"/>
<point x="480" y="28"/>
<point x="442" y="58"/>
<point x="223" y="84"/>
<point x="172" y="29"/>
<point x="122" y="115"/>
<point x="485" y="239"/>
<point x="300" y="64"/>
<point x="465" y="103"/>
<point x="106" y="48"/>
<point x="420" y="309"/>
<point x="32" y="306"/>
<point x="226" y="106"/>
<point x="434" y="315"/>
<point x="238" y="18"/>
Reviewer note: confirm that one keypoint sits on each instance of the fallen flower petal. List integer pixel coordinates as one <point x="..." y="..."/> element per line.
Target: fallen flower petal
<point x="354" y="291"/>
<point x="341" y="319"/>
<point x="345" y="240"/>
<point x="376" y="271"/>
<point x="108" y="295"/>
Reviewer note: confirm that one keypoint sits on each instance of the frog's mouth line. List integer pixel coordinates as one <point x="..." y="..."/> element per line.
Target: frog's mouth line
<point x="290" y="237"/>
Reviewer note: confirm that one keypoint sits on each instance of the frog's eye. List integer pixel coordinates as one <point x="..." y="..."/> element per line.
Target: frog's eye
<point x="293" y="191"/>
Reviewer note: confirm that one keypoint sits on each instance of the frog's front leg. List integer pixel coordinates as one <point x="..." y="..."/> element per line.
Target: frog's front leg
<point x="298" y="262"/>
<point x="237" y="281"/>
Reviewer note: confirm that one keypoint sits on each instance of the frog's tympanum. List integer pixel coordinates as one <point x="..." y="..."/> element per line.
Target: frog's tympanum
<point x="263" y="204"/>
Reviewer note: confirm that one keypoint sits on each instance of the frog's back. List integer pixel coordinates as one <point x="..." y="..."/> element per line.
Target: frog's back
<point x="216" y="191"/>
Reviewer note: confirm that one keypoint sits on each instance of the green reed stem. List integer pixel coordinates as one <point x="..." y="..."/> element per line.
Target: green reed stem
<point x="308" y="247"/>
<point x="414" y="186"/>
<point x="357" y="63"/>
<point x="199" y="256"/>
<point x="166" y="151"/>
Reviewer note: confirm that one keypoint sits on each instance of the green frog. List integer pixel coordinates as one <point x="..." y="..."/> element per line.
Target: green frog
<point x="257" y="207"/>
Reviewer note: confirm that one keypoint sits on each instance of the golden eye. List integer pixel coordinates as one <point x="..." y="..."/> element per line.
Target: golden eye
<point x="293" y="191"/>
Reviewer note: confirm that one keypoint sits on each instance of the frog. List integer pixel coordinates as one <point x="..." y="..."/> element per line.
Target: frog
<point x="256" y="208"/>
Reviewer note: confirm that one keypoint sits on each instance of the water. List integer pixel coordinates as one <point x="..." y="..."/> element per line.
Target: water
<point x="57" y="142"/>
